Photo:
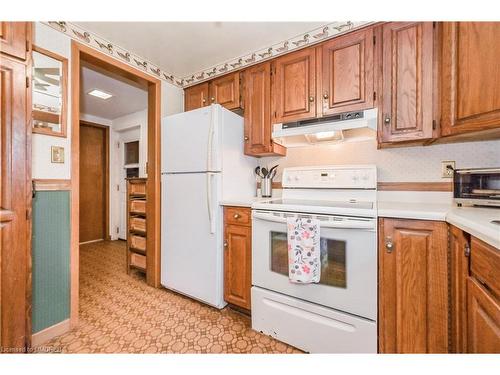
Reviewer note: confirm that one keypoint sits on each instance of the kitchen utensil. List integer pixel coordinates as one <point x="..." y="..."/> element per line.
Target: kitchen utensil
<point x="273" y="169"/>
<point x="265" y="172"/>
<point x="272" y="174"/>
<point x="257" y="171"/>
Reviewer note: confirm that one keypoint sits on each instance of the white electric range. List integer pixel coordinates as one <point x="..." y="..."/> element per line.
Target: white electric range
<point x="338" y="314"/>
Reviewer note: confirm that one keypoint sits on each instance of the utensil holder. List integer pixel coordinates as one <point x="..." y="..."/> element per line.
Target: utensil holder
<point x="266" y="187"/>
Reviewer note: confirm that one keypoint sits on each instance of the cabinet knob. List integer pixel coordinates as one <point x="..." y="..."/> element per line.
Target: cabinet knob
<point x="212" y="99"/>
<point x="325" y="95"/>
<point x="204" y="101"/>
<point x="311" y="99"/>
<point x="467" y="250"/>
<point x="225" y="243"/>
<point x="246" y="138"/>
<point x="387" y="120"/>
<point x="389" y="245"/>
<point x="236" y="216"/>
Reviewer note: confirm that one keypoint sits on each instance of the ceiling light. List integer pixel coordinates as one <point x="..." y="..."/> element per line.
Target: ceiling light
<point x="100" y="94"/>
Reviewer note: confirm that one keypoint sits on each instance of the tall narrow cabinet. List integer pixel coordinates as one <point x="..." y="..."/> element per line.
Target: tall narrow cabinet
<point x="136" y="224"/>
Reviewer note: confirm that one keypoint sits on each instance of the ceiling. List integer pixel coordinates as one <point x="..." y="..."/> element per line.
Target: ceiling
<point x="183" y="48"/>
<point x="126" y="97"/>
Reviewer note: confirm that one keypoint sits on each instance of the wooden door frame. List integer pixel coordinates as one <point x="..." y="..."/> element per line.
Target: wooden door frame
<point x="79" y="53"/>
<point x="107" y="235"/>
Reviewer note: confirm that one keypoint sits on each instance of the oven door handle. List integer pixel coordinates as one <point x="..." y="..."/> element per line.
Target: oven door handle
<point x="347" y="224"/>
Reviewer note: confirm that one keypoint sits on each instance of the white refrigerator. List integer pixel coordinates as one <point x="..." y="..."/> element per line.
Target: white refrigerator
<point x="202" y="164"/>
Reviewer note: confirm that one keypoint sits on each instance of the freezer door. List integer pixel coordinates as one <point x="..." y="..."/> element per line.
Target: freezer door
<point x="190" y="141"/>
<point x="191" y="245"/>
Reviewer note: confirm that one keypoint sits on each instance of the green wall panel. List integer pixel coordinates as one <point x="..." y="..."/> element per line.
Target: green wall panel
<point x="51" y="258"/>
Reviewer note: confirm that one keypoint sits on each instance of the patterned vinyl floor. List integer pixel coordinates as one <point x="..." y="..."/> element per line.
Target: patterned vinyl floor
<point x="120" y="313"/>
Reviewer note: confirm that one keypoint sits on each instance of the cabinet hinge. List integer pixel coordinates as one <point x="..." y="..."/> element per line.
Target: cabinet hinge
<point x="374" y="95"/>
<point x="374" y="40"/>
<point x="274" y="114"/>
<point x="27" y="45"/>
<point x="433" y="124"/>
<point x="117" y="187"/>
<point x="117" y="230"/>
<point x="28" y="214"/>
<point x="434" y="24"/>
<point x="27" y="82"/>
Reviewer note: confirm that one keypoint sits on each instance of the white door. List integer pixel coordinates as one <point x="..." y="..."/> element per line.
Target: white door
<point x="191" y="256"/>
<point x="348" y="261"/>
<point x="190" y="141"/>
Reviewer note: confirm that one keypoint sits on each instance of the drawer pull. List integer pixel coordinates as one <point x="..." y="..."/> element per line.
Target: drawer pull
<point x="225" y="243"/>
<point x="389" y="245"/>
<point x="236" y="216"/>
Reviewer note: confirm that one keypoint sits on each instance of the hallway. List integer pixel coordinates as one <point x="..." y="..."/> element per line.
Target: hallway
<point x="122" y="314"/>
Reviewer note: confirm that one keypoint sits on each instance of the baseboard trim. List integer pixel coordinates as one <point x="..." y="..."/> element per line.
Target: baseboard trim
<point x="92" y="241"/>
<point x="50" y="332"/>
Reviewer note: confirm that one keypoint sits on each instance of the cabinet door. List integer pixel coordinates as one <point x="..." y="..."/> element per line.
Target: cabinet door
<point x="13" y="38"/>
<point x="406" y="111"/>
<point x="460" y="251"/>
<point x="470" y="76"/>
<point x="413" y="286"/>
<point x="15" y="206"/>
<point x="347" y="73"/>
<point x="238" y="265"/>
<point x="258" y="129"/>
<point x="196" y="97"/>
<point x="483" y="320"/>
<point x="294" y="86"/>
<point x="226" y="91"/>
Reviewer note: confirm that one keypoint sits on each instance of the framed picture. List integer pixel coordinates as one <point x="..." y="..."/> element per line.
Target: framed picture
<point x="57" y="154"/>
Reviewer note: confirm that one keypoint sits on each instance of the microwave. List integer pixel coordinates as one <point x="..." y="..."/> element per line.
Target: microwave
<point x="477" y="187"/>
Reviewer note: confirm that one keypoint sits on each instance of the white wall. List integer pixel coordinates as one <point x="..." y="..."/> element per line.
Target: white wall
<point x="405" y="164"/>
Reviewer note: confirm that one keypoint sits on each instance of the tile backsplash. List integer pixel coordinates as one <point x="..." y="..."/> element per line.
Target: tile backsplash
<point x="405" y="164"/>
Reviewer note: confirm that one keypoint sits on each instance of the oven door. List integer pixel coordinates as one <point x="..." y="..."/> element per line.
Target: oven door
<point x="348" y="261"/>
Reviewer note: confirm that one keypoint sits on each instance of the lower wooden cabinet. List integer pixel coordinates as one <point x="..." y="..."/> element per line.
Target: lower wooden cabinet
<point x="237" y="257"/>
<point x="413" y="286"/>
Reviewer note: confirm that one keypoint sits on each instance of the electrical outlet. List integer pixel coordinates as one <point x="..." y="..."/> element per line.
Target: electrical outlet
<point x="447" y="168"/>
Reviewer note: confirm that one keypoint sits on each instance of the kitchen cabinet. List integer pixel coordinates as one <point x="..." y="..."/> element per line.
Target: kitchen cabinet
<point x="459" y="269"/>
<point x="196" y="97"/>
<point x="406" y="108"/>
<point x="347" y="73"/>
<point x="237" y="256"/>
<point x="136" y="224"/>
<point x="15" y="39"/>
<point x="226" y="91"/>
<point x="258" y="128"/>
<point x="413" y="286"/>
<point x="470" y="75"/>
<point x="294" y="86"/>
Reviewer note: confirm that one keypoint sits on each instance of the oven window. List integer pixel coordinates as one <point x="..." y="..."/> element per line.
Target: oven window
<point x="332" y="259"/>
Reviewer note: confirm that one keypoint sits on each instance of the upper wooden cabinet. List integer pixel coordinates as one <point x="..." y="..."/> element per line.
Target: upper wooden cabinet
<point x="15" y="38"/>
<point x="347" y="73"/>
<point x="257" y="115"/>
<point x="294" y="86"/>
<point x="196" y="97"/>
<point x="470" y="77"/>
<point x="226" y="91"/>
<point x="406" y="110"/>
<point x="413" y="286"/>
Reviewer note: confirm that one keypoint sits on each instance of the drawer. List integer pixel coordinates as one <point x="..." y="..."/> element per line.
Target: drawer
<point x="138" y="242"/>
<point x="237" y="215"/>
<point x="138" y="206"/>
<point x="138" y="260"/>
<point x="138" y="223"/>
<point x="485" y="265"/>
<point x="137" y="189"/>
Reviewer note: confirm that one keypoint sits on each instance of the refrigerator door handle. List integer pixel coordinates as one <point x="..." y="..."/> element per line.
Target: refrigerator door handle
<point x="210" y="139"/>
<point x="209" y="203"/>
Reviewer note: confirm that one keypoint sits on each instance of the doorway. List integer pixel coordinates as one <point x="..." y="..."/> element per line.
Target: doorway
<point x="94" y="182"/>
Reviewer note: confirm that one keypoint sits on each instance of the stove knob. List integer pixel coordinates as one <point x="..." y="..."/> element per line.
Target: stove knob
<point x="355" y="178"/>
<point x="297" y="178"/>
<point x="365" y="177"/>
<point x="289" y="178"/>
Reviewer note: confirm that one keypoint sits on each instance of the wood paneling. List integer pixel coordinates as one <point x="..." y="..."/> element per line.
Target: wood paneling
<point x="347" y="73"/>
<point x="459" y="271"/>
<point x="226" y="91"/>
<point x="415" y="186"/>
<point x="15" y="204"/>
<point x="413" y="286"/>
<point x="238" y="265"/>
<point x="294" y="86"/>
<point x="406" y="109"/>
<point x="483" y="317"/>
<point x="485" y="265"/>
<point x="258" y="129"/>
<point x="196" y="97"/>
<point x="470" y="76"/>
<point x="93" y="181"/>
<point x="14" y="39"/>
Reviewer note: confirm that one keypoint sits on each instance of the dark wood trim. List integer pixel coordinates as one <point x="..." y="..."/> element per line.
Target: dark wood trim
<point x="64" y="107"/>
<point x="415" y="186"/>
<point x="51" y="184"/>
<point x="81" y="53"/>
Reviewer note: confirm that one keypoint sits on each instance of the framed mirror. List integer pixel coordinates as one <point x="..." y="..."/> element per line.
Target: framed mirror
<point x="49" y="90"/>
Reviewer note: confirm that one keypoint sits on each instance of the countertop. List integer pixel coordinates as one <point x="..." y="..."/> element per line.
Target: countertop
<point x="243" y="202"/>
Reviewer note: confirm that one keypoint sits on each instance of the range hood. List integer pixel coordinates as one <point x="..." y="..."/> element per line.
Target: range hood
<point x="344" y="127"/>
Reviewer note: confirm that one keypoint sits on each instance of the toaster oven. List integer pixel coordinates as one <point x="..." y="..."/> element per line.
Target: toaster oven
<point x="477" y="187"/>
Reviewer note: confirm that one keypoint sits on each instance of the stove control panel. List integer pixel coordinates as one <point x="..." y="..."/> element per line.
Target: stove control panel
<point x="331" y="177"/>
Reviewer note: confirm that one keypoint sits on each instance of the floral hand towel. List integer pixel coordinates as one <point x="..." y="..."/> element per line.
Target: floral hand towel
<point x="304" y="252"/>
